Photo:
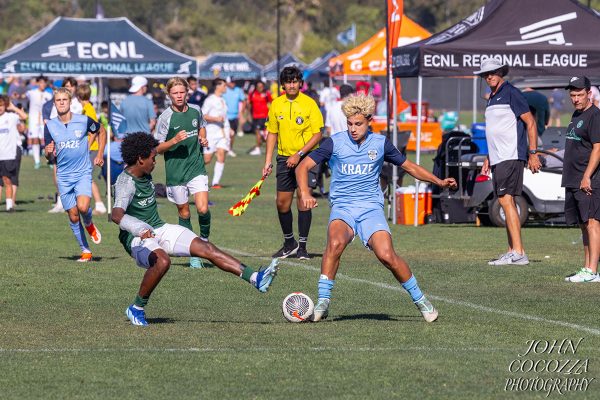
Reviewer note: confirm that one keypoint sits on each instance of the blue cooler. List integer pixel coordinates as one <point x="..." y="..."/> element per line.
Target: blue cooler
<point x="478" y="136"/>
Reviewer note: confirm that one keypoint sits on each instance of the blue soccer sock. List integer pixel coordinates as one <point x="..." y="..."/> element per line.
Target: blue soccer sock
<point x="412" y="287"/>
<point x="325" y="287"/>
<point x="87" y="217"/>
<point x="79" y="235"/>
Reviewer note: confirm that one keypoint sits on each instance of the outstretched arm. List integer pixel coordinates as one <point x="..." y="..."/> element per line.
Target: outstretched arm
<point x="422" y="174"/>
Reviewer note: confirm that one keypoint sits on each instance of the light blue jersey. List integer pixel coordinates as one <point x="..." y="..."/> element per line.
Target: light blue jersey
<point x="71" y="144"/>
<point x="355" y="169"/>
<point x="233" y="98"/>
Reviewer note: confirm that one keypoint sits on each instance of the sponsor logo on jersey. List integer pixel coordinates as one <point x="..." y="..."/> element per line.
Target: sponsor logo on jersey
<point x="299" y="120"/>
<point x="147" y="201"/>
<point x="69" y="144"/>
<point x="580" y="124"/>
<point x="78" y="133"/>
<point x="372" y="154"/>
<point x="356" y="169"/>
<point x="195" y="123"/>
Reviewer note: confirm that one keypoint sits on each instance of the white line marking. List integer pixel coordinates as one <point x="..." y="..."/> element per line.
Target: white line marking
<point x="583" y="328"/>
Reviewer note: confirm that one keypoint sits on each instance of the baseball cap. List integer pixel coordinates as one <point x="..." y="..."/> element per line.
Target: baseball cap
<point x="228" y="79"/>
<point x="579" y="82"/>
<point x="137" y="83"/>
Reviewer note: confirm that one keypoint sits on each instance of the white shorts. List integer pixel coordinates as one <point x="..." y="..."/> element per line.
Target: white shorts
<point x="175" y="240"/>
<point x="216" y="141"/>
<point x="179" y="194"/>
<point x="36" y="131"/>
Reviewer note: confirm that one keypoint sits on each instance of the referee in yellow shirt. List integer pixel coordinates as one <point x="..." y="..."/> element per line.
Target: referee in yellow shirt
<point x="294" y="125"/>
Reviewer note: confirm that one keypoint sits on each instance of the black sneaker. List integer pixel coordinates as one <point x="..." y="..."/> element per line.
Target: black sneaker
<point x="287" y="251"/>
<point x="302" y="254"/>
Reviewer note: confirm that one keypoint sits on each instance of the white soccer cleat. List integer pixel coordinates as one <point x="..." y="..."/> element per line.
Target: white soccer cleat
<point x="584" y="275"/>
<point x="427" y="309"/>
<point x="321" y="310"/>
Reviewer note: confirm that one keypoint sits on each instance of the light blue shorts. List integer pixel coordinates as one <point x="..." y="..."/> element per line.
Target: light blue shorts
<point x="363" y="221"/>
<point x="71" y="189"/>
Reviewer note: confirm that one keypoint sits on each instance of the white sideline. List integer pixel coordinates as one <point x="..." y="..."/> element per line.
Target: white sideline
<point x="582" y="328"/>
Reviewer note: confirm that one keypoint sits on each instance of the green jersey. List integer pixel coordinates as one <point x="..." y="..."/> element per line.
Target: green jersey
<point x="136" y="196"/>
<point x="184" y="161"/>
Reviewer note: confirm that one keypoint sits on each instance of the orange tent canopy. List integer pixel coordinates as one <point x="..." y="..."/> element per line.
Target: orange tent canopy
<point x="368" y="58"/>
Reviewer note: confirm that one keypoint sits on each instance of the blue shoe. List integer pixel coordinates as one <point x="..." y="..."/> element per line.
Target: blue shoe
<point x="265" y="276"/>
<point x="196" y="262"/>
<point x="137" y="317"/>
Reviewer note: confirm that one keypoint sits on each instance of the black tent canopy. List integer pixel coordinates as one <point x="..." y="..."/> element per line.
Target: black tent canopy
<point x="112" y="47"/>
<point x="270" y="70"/>
<point x="534" y="37"/>
<point x="236" y="65"/>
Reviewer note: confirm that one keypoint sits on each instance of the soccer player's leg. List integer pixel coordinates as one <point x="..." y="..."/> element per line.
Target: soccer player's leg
<point x="340" y="233"/>
<point x="69" y="201"/>
<point x="179" y="196"/>
<point x="83" y="191"/>
<point x="375" y="233"/>
<point x="149" y="255"/>
<point x="198" y="188"/>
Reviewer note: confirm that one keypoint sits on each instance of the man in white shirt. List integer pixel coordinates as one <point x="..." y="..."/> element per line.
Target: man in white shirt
<point x="328" y="96"/>
<point x="37" y="97"/>
<point x="9" y="143"/>
<point x="336" y="121"/>
<point x="214" y="110"/>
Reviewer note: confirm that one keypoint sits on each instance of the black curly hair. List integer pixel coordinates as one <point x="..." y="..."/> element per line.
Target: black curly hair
<point x="288" y="74"/>
<point x="137" y="145"/>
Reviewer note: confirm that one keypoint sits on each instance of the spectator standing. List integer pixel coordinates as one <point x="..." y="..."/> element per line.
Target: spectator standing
<point x="235" y="99"/>
<point x="137" y="109"/>
<point x="509" y="125"/>
<point x="10" y="119"/>
<point x="37" y="97"/>
<point x="328" y="97"/>
<point x="539" y="107"/>
<point x="195" y="95"/>
<point x="557" y="106"/>
<point x="336" y="120"/>
<point x="259" y="101"/>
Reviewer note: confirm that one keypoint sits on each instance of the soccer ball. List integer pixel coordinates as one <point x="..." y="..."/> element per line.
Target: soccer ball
<point x="298" y="307"/>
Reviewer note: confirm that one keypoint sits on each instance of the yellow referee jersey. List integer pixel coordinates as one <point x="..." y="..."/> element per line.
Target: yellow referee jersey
<point x="295" y="122"/>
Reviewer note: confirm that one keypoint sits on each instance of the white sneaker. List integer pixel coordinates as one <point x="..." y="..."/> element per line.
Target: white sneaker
<point x="583" y="275"/>
<point x="427" y="309"/>
<point x="240" y="133"/>
<point x="58" y="208"/>
<point x="503" y="259"/>
<point x="231" y="153"/>
<point x="255" y="152"/>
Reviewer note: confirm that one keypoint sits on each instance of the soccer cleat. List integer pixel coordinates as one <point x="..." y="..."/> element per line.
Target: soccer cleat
<point x="94" y="233"/>
<point x="265" y="276"/>
<point x="287" y="251"/>
<point x="137" y="317"/>
<point x="85" y="257"/>
<point x="216" y="186"/>
<point x="321" y="310"/>
<point x="427" y="309"/>
<point x="584" y="275"/>
<point x="231" y="153"/>
<point x="503" y="259"/>
<point x="36" y="165"/>
<point x="519" y="259"/>
<point x="302" y="254"/>
<point x="58" y="208"/>
<point x="255" y="151"/>
<point x="196" y="262"/>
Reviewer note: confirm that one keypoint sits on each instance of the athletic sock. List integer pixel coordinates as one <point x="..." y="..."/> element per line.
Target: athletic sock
<point x="9" y="204"/>
<point x="204" y="221"/>
<point x="79" y="236"/>
<point x="248" y="274"/>
<point x="218" y="173"/>
<point x="325" y="287"/>
<point x="87" y="217"/>
<point x="304" y="220"/>
<point x="100" y="206"/>
<point x="186" y="223"/>
<point x="412" y="287"/>
<point x="286" y="220"/>
<point x="140" y="302"/>
<point x="35" y="148"/>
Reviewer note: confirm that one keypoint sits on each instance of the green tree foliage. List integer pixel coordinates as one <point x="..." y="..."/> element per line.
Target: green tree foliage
<point x="199" y="27"/>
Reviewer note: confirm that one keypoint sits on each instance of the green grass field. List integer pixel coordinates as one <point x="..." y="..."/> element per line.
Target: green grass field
<point x="63" y="333"/>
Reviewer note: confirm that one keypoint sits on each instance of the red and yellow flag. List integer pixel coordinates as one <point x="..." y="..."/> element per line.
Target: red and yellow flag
<point x="238" y="208"/>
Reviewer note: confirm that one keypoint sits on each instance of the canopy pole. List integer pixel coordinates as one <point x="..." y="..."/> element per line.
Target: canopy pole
<point x="418" y="147"/>
<point x="108" y="171"/>
<point x="395" y="142"/>
<point x="475" y="99"/>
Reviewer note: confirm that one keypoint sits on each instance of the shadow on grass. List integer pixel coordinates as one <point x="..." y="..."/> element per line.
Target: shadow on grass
<point x="94" y="259"/>
<point x="377" y="317"/>
<point x="161" y="320"/>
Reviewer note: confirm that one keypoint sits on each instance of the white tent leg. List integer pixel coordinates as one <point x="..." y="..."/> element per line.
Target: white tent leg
<point x="395" y="142"/>
<point x="418" y="149"/>
<point x="474" y="99"/>
<point x="108" y="180"/>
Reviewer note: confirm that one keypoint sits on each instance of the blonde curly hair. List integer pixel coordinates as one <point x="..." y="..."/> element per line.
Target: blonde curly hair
<point x="358" y="103"/>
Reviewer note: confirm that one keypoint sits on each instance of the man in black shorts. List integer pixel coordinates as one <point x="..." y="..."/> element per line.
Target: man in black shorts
<point x="581" y="179"/>
<point x="511" y="135"/>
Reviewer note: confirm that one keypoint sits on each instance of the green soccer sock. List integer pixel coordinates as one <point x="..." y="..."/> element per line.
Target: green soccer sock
<point x="247" y="273"/>
<point x="186" y="223"/>
<point x="204" y="221"/>
<point x="140" y="302"/>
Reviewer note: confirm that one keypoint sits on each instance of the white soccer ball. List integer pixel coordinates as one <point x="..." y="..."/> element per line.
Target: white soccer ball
<point x="298" y="307"/>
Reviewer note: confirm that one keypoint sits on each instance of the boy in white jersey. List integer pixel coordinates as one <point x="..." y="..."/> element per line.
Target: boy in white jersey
<point x="67" y="140"/>
<point x="217" y="130"/>
<point x="355" y="157"/>
<point x="37" y="97"/>
<point x="9" y="139"/>
<point x="150" y="241"/>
